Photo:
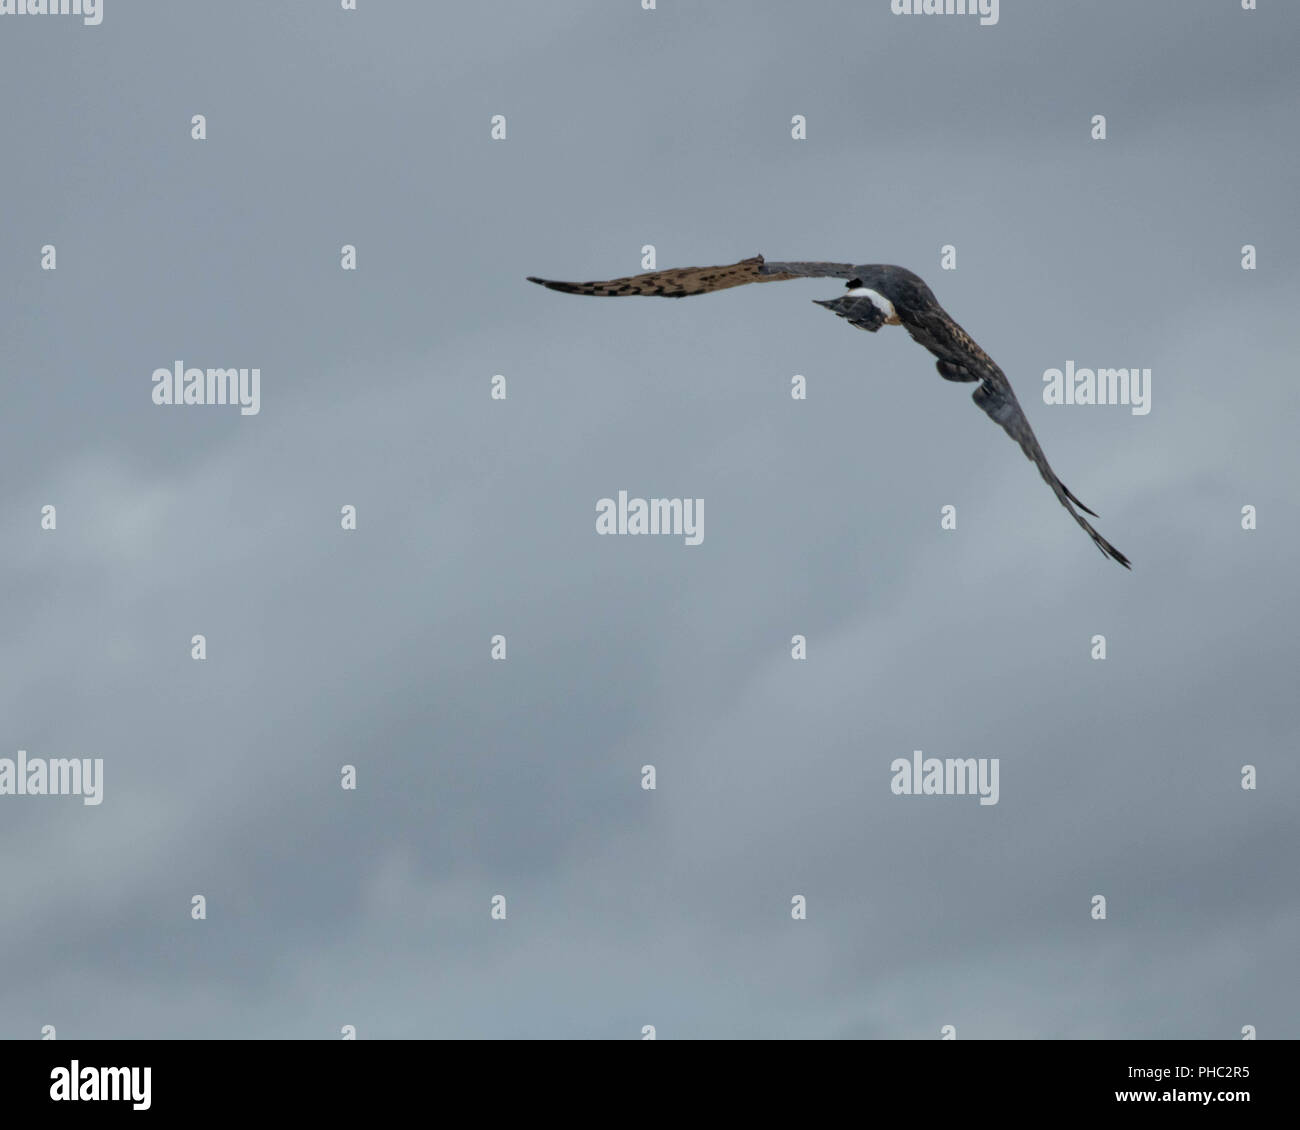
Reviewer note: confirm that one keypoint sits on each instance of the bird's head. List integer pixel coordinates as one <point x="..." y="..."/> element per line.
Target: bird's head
<point x="900" y="287"/>
<point x="874" y="296"/>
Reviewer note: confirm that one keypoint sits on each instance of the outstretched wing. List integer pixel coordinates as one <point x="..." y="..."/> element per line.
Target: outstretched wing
<point x="994" y="395"/>
<point x="682" y="282"/>
<point x="960" y="359"/>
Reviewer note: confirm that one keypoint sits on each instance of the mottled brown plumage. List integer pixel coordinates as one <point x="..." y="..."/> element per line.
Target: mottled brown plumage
<point x="679" y="282"/>
<point x="878" y="294"/>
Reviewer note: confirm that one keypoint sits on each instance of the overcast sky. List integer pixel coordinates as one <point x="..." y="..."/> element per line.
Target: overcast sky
<point x="626" y="907"/>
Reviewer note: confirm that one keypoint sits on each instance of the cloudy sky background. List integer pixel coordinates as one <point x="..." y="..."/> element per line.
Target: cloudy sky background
<point x="476" y="517"/>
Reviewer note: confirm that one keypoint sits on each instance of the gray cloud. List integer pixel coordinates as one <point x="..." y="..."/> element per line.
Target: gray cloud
<point x="477" y="517"/>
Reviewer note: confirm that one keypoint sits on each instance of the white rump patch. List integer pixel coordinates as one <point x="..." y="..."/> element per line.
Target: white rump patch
<point x="878" y="300"/>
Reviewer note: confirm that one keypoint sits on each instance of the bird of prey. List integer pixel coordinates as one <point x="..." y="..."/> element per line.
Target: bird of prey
<point x="876" y="295"/>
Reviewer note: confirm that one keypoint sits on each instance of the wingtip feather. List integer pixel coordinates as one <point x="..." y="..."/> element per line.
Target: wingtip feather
<point x="1114" y="554"/>
<point x="1070" y="495"/>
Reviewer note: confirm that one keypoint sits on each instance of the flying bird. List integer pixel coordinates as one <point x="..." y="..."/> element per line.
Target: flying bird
<point x="876" y="295"/>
